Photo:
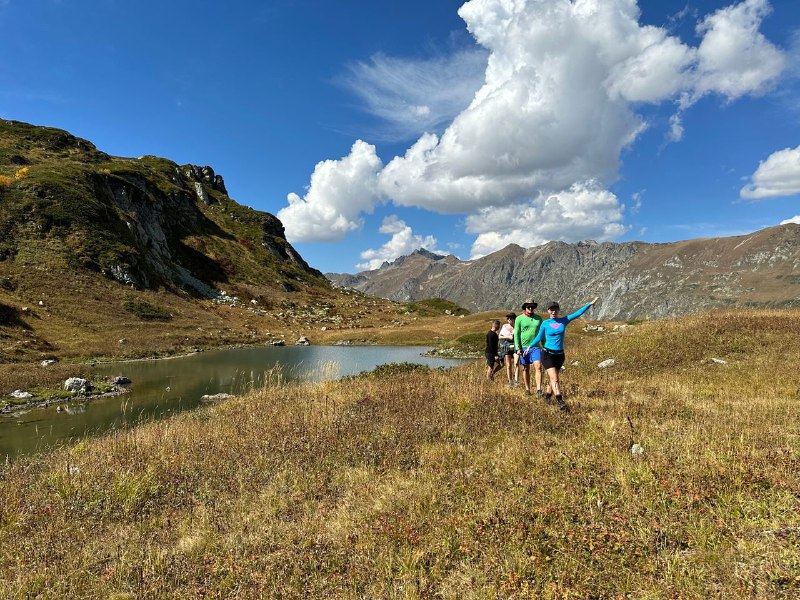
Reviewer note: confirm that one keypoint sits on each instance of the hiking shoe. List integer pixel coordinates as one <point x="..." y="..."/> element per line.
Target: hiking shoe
<point x="548" y="398"/>
<point x="539" y="393"/>
<point x="563" y="407"/>
<point x="527" y="392"/>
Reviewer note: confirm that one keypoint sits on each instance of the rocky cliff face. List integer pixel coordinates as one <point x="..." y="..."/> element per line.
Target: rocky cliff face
<point x="146" y="222"/>
<point x="634" y="280"/>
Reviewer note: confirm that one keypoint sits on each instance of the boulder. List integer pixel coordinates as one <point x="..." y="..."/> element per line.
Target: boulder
<point x="120" y="380"/>
<point x="47" y="362"/>
<point x="215" y="397"/>
<point x="77" y="385"/>
<point x="303" y="341"/>
<point x="20" y="394"/>
<point x="609" y="362"/>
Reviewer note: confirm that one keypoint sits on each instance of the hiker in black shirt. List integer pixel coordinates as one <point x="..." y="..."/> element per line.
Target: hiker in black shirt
<point x="493" y="364"/>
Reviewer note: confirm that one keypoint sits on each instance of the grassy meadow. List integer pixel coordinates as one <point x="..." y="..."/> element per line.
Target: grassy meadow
<point x="411" y="483"/>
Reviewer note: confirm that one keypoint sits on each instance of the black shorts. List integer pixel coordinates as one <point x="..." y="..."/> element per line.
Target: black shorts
<point x="491" y="360"/>
<point x="552" y="360"/>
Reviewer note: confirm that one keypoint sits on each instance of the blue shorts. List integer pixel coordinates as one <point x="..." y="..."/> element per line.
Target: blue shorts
<point x="531" y="357"/>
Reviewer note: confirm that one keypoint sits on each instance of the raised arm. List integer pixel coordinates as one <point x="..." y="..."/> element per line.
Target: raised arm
<point x="581" y="310"/>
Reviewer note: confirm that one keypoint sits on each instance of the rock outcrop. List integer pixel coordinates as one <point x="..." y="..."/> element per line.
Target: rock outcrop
<point x="145" y="222"/>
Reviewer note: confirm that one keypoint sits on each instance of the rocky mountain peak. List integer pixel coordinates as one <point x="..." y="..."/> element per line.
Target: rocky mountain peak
<point x="634" y="280"/>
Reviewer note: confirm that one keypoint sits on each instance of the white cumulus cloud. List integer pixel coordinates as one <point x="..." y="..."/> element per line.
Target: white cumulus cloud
<point x="340" y="191"/>
<point x="795" y="219"/>
<point x="557" y="107"/>
<point x="778" y="175"/>
<point x="734" y="58"/>
<point x="585" y="211"/>
<point x="402" y="242"/>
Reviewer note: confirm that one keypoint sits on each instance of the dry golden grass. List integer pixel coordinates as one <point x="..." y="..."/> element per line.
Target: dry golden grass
<point x="441" y="485"/>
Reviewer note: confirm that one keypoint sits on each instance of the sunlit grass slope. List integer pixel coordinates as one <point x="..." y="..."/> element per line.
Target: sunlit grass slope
<point x="442" y="485"/>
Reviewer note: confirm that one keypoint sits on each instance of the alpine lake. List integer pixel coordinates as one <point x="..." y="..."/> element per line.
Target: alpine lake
<point x="160" y="388"/>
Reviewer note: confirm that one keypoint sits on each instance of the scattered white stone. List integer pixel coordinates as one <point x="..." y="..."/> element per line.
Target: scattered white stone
<point x="47" y="362"/>
<point x="303" y="341"/>
<point x="719" y="361"/>
<point x="19" y="394"/>
<point x="123" y="341"/>
<point x="637" y="450"/>
<point x="254" y="302"/>
<point x="609" y="362"/>
<point x="594" y="328"/>
<point x="41" y="303"/>
<point x="575" y="363"/>
<point x="215" y="397"/>
<point x="323" y="329"/>
<point x="76" y="384"/>
<point x="25" y="309"/>
<point x="74" y="470"/>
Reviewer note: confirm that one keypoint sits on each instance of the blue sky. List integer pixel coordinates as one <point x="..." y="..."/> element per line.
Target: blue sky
<point x="374" y="127"/>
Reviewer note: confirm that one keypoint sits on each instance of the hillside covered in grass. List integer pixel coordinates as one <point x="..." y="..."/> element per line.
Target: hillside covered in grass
<point x="146" y="222"/>
<point x="112" y="257"/>
<point x="439" y="484"/>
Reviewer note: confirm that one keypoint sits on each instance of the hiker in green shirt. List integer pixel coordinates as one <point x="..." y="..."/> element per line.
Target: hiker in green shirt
<point x="525" y="329"/>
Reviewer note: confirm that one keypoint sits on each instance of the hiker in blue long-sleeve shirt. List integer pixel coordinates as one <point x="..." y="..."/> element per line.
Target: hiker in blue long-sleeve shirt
<point x="551" y="333"/>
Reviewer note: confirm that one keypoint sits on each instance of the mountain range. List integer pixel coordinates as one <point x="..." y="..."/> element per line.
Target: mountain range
<point x="634" y="280"/>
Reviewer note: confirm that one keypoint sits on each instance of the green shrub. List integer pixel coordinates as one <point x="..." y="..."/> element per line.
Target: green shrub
<point x="390" y="370"/>
<point x="146" y="311"/>
<point x="432" y="307"/>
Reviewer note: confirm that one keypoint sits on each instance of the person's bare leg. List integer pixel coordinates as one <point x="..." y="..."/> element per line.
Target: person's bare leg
<point x="526" y="378"/>
<point x="538" y="374"/>
<point x="509" y="364"/>
<point x="552" y="385"/>
<point x="555" y="386"/>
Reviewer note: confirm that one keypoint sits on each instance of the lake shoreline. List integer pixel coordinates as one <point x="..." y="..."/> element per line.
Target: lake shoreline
<point x="10" y="409"/>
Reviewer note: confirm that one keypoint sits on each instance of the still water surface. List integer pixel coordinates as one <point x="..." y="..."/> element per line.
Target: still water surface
<point x="160" y="388"/>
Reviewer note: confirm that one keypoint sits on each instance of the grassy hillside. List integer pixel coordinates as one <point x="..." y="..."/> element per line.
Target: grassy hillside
<point x="61" y="199"/>
<point x="439" y="484"/>
<point x="105" y="257"/>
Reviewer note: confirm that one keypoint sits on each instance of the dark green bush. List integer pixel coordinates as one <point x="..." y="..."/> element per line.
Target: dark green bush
<point x="146" y="311"/>
<point x="432" y="307"/>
